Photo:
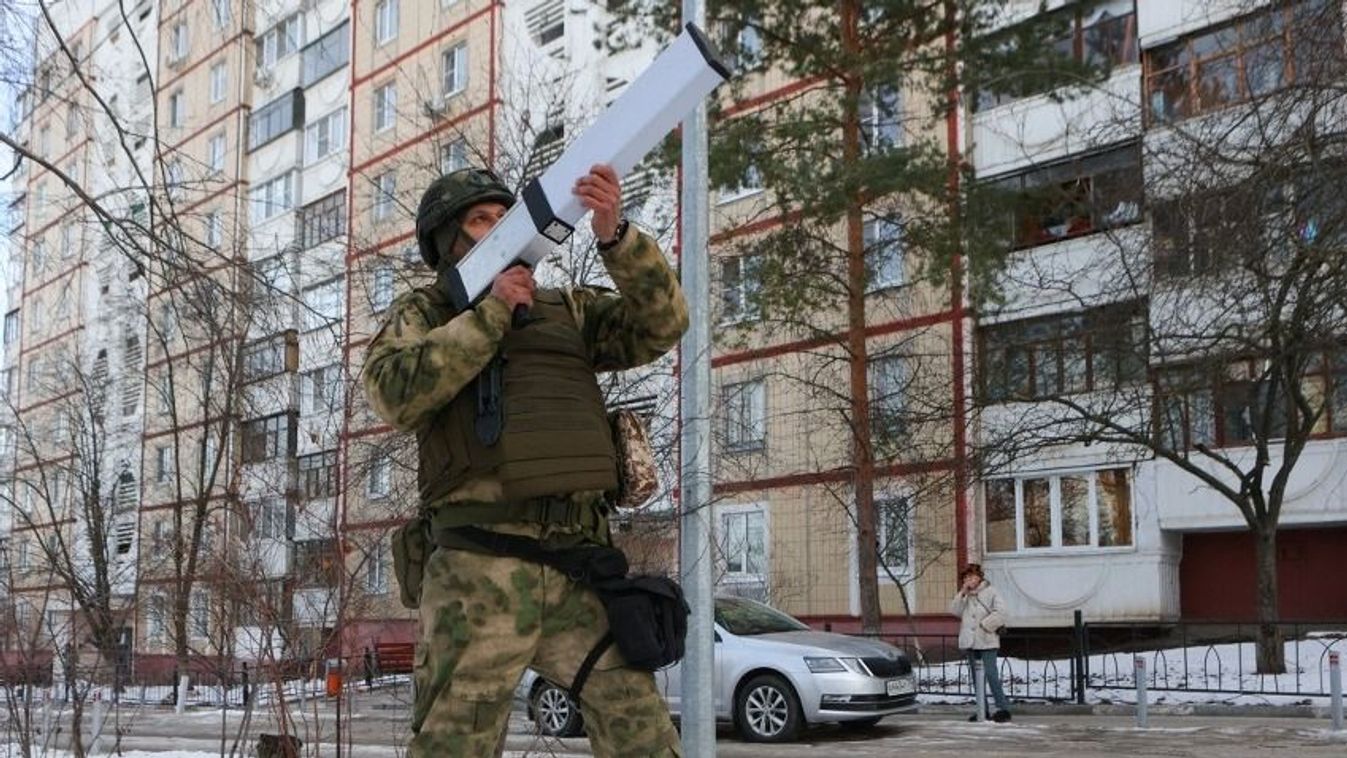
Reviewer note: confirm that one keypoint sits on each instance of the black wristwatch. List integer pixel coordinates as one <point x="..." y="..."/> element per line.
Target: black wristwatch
<point x="621" y="232"/>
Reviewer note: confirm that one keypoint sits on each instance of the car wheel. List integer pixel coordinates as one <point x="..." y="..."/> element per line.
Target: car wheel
<point x="767" y="710"/>
<point x="554" y="712"/>
<point x="860" y="725"/>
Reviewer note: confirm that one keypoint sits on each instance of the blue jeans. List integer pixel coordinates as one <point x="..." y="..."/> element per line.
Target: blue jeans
<point x="990" y="673"/>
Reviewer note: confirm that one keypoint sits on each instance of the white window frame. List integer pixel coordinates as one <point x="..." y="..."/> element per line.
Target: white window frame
<point x="178" y="42"/>
<point x="379" y="482"/>
<point x="385" y="22"/>
<point x="902" y="500"/>
<point x="198" y="613"/>
<point x="454" y="156"/>
<point x="324" y="304"/>
<point x="177" y="109"/>
<point x="219" y="82"/>
<point x="325" y="136"/>
<point x="886" y="263"/>
<point x="385" y="107"/>
<point x="216" y="150"/>
<point x="748" y="286"/>
<point x="272" y="198"/>
<point x="175" y="177"/>
<point x="454" y="69"/>
<point x="753" y="394"/>
<point x="385" y="194"/>
<point x="376" y="572"/>
<point x="321" y="390"/>
<point x="283" y="39"/>
<point x="220" y="14"/>
<point x="382" y="284"/>
<point x="214" y="229"/>
<point x="727" y="516"/>
<point x="1054" y="478"/>
<point x="881" y="132"/>
<point x="163" y="468"/>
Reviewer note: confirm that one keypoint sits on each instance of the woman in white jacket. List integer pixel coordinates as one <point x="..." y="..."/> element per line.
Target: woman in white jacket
<point x="982" y="616"/>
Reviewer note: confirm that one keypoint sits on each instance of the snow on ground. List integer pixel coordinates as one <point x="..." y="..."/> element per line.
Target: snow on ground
<point x="1218" y="674"/>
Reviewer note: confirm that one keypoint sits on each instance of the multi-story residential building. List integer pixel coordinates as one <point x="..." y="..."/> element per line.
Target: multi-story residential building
<point x="208" y="334"/>
<point x="1097" y="295"/>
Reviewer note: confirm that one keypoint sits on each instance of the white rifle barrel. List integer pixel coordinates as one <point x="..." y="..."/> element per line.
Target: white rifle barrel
<point x="674" y="83"/>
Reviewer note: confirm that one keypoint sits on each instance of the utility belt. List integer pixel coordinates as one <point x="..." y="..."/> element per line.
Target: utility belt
<point x="647" y="615"/>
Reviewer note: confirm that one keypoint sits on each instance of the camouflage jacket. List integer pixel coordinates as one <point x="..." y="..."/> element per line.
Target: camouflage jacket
<point x="415" y="366"/>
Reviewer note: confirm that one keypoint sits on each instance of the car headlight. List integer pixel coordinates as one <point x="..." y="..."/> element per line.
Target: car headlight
<point x="829" y="665"/>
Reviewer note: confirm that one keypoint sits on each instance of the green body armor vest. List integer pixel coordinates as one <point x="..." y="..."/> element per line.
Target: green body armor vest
<point x="555" y="439"/>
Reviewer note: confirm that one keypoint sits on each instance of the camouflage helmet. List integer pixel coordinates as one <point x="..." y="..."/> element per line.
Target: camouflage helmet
<point x="447" y="197"/>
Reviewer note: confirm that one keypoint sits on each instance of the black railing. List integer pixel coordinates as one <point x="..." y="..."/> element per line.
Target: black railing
<point x="1063" y="664"/>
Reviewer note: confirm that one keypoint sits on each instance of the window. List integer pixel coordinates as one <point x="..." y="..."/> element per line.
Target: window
<point x="379" y="483"/>
<point x="322" y="220"/>
<point x="325" y="136"/>
<point x="216" y="153"/>
<point x="264" y="358"/>
<point x="7" y="388"/>
<point x="749" y="182"/>
<point x="881" y="125"/>
<point x="156" y="618"/>
<point x="381" y="288"/>
<point x="385" y="106"/>
<point x="219" y="82"/>
<point x="275" y="118"/>
<point x="11" y="326"/>
<point x="546" y="21"/>
<point x="126" y="495"/>
<point x="376" y="572"/>
<point x="745" y="47"/>
<point x="267" y="438"/>
<point x="321" y="390"/>
<point x="278" y="42"/>
<point x="385" y="192"/>
<point x="745" y="408"/>
<point x="219" y="12"/>
<point x="454" y="156"/>
<point x="272" y="198"/>
<point x="168" y="320"/>
<point x="1072" y="510"/>
<point x="1075" y="198"/>
<point x="177" y="49"/>
<point x="895" y="535"/>
<point x="200" y="613"/>
<point x="271" y="519"/>
<point x="888" y="380"/>
<point x="385" y="21"/>
<point x="323" y="305"/>
<point x="177" y="109"/>
<point x="884" y="260"/>
<point x="326" y="54"/>
<point x="1101" y="34"/>
<point x="214" y="230"/>
<point x="1249" y="58"/>
<point x="1196" y="234"/>
<point x="131" y="373"/>
<point x="740" y="286"/>
<point x="318" y="475"/>
<point x="455" y="65"/>
<point x="72" y="121"/>
<point x="175" y="179"/>
<point x="1064" y="354"/>
<point x="744" y="543"/>
<point x="163" y="469"/>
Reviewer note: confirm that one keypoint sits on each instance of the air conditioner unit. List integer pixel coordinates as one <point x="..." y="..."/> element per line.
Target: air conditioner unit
<point x="434" y="106"/>
<point x="263" y="78"/>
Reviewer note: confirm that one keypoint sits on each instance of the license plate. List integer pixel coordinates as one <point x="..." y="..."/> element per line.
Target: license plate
<point x="899" y="686"/>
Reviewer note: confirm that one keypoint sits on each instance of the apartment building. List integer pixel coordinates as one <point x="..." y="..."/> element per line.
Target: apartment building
<point x="1131" y="181"/>
<point x="205" y="336"/>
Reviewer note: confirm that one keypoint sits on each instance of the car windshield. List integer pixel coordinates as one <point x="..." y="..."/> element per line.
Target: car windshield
<point x="747" y="617"/>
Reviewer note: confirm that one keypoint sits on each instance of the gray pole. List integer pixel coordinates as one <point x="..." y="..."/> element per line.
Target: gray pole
<point x="698" y="685"/>
<point x="1140" y="674"/>
<point x="979" y="689"/>
<point x="1335" y="690"/>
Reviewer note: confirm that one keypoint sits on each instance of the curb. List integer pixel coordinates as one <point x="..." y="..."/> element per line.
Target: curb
<point x="1154" y="709"/>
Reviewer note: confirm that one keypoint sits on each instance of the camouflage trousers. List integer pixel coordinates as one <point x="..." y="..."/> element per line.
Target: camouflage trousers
<point x="483" y="619"/>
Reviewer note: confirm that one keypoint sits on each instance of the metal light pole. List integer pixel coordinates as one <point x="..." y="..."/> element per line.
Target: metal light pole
<point x="698" y="685"/>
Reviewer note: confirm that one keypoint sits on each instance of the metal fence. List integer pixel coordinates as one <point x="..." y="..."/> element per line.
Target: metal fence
<point x="1060" y="665"/>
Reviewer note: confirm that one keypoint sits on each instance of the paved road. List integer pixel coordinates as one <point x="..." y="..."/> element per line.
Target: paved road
<point x="379" y="734"/>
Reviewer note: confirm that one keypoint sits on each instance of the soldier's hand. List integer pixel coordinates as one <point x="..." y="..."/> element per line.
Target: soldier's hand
<point x="601" y="192"/>
<point x="515" y="286"/>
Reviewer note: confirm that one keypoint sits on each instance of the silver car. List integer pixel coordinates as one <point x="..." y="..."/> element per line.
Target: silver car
<point x="773" y="676"/>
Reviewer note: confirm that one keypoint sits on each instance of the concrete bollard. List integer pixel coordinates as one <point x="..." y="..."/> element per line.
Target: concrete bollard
<point x="979" y="689"/>
<point x="1335" y="690"/>
<point x="100" y="716"/>
<point x="1141" y="691"/>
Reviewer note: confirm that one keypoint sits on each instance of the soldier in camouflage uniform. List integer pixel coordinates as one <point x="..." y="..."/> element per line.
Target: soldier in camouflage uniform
<point x="483" y="617"/>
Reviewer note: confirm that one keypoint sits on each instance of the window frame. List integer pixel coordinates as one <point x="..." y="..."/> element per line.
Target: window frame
<point x="454" y="71"/>
<point x="753" y="394"/>
<point x="386" y="22"/>
<point x="726" y="514"/>
<point x="1054" y="478"/>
